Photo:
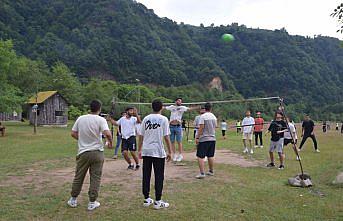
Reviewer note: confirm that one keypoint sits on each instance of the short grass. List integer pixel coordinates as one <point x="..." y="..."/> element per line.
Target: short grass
<point x="234" y="194"/>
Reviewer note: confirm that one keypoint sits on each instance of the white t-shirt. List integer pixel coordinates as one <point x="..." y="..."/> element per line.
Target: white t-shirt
<point x="287" y="135"/>
<point x="154" y="128"/>
<point x="89" y="128"/>
<point x="196" y="122"/>
<point x="138" y="128"/>
<point x="176" y="112"/>
<point x="210" y="123"/>
<point x="223" y="125"/>
<point x="248" y="121"/>
<point x="127" y="126"/>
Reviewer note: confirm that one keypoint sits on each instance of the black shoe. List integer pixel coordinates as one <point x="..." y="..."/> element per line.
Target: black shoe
<point x="281" y="167"/>
<point x="130" y="167"/>
<point x="137" y="167"/>
<point x="271" y="165"/>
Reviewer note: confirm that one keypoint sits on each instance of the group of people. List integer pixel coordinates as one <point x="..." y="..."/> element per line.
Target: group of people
<point x="326" y="126"/>
<point x="154" y="132"/>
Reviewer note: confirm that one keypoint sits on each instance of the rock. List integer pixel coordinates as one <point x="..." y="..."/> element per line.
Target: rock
<point x="339" y="179"/>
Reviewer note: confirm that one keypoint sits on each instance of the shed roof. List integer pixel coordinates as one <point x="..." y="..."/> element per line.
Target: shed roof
<point x="41" y="97"/>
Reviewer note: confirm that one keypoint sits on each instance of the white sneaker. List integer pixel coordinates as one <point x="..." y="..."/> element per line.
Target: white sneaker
<point x="251" y="151"/>
<point x="261" y="146"/>
<point x="175" y="157"/>
<point x="148" y="202"/>
<point x="317" y="151"/>
<point x="160" y="204"/>
<point x="72" y="202"/>
<point x="179" y="158"/>
<point x="298" y="158"/>
<point x="210" y="173"/>
<point x="93" y="205"/>
<point x="246" y="150"/>
<point x="256" y="146"/>
<point x="200" y="176"/>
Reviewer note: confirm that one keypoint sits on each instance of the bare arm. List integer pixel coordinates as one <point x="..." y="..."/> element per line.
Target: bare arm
<point x="200" y="131"/>
<point x="140" y="143"/>
<point x="168" y="143"/>
<point x="75" y="134"/>
<point x="108" y="136"/>
<point x="114" y="122"/>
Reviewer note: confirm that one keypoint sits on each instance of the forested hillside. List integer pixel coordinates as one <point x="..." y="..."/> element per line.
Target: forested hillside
<point x="122" y="40"/>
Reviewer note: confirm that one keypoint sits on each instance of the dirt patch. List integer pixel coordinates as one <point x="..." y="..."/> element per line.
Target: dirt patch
<point x="115" y="173"/>
<point x="227" y="157"/>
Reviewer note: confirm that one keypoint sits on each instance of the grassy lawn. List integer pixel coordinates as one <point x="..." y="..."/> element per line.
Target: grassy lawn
<point x="235" y="193"/>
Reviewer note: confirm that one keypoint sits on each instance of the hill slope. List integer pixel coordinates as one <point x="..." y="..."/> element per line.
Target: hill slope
<point x="123" y="40"/>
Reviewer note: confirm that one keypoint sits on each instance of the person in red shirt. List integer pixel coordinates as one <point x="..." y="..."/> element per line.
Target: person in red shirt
<point x="258" y="128"/>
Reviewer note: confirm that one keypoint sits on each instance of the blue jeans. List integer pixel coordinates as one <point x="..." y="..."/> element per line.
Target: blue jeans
<point x="175" y="133"/>
<point x="117" y="145"/>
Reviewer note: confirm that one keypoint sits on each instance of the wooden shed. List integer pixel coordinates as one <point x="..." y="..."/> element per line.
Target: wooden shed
<point x="52" y="109"/>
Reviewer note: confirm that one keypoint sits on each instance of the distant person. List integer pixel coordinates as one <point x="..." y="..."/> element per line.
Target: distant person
<point x="184" y="126"/>
<point x="248" y="129"/>
<point x="155" y="129"/>
<point x="258" y="128"/>
<point x="223" y="126"/>
<point x="2" y="129"/>
<point x="308" y="131"/>
<point x="290" y="136"/>
<point x="118" y="135"/>
<point x="128" y="125"/>
<point x="328" y="126"/>
<point x="238" y="126"/>
<point x="337" y="126"/>
<point x="87" y="131"/>
<point x="206" y="141"/>
<point x="196" y="121"/>
<point x="324" y="126"/>
<point x="277" y="128"/>
<point x="176" y="113"/>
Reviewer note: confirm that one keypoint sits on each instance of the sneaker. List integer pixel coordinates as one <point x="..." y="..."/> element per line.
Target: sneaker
<point x="115" y="157"/>
<point x="179" y="158"/>
<point x="200" y="176"/>
<point x="256" y="146"/>
<point x="160" y="204"/>
<point x="298" y="158"/>
<point x="246" y="150"/>
<point x="281" y="167"/>
<point x="130" y="167"/>
<point x="93" y="205"/>
<point x="251" y="151"/>
<point x="175" y="158"/>
<point x="137" y="167"/>
<point x="210" y="173"/>
<point x="148" y="202"/>
<point x="72" y="202"/>
<point x="261" y="146"/>
<point x="270" y="165"/>
<point x="317" y="151"/>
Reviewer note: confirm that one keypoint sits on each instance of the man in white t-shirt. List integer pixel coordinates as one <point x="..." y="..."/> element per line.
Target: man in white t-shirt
<point x="128" y="128"/>
<point x="87" y="131"/>
<point x="154" y="129"/>
<point x="177" y="111"/>
<point x="248" y="130"/>
<point x="288" y="136"/>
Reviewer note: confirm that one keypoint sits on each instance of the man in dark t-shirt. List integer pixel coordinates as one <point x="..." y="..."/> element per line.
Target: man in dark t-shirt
<point x="308" y="131"/>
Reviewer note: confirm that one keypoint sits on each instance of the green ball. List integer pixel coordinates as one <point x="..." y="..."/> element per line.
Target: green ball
<point x="228" y="37"/>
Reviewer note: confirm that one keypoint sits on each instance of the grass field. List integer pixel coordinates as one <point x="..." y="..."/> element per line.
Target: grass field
<point x="262" y="193"/>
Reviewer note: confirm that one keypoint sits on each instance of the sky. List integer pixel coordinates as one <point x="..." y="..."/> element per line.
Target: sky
<point x="299" y="17"/>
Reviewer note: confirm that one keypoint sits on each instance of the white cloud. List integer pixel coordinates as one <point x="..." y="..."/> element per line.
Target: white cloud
<point x="303" y="17"/>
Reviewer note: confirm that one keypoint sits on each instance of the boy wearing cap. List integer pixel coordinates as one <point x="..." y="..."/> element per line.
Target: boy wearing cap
<point x="258" y="128"/>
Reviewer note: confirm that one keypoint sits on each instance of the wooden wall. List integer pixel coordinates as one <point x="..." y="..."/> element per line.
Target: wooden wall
<point x="47" y="111"/>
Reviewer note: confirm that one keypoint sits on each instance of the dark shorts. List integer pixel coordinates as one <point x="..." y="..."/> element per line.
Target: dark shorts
<point x="223" y="132"/>
<point x="287" y="141"/>
<point x="206" y="149"/>
<point x="128" y="144"/>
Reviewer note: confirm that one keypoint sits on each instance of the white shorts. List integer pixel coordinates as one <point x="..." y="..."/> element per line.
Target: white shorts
<point x="247" y="136"/>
